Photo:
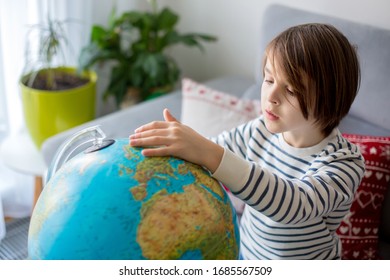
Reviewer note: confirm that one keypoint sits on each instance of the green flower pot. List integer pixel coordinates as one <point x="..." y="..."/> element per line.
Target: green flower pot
<point x="50" y="112"/>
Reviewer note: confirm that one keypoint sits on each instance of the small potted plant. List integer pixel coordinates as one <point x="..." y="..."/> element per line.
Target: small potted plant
<point x="54" y="97"/>
<point x="136" y="44"/>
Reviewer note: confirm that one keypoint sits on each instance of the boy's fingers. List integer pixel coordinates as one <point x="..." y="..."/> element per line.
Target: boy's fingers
<point x="152" y="125"/>
<point x="149" y="133"/>
<point x="148" y="141"/>
<point x="158" y="124"/>
<point x="157" y="151"/>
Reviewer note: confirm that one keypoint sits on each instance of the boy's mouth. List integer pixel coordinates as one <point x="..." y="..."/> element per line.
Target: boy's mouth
<point x="271" y="116"/>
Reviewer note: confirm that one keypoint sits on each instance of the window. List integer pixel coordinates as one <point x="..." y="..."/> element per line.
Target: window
<point x="3" y="108"/>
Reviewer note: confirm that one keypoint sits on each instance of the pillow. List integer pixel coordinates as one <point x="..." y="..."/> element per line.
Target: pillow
<point x="358" y="231"/>
<point x="211" y="112"/>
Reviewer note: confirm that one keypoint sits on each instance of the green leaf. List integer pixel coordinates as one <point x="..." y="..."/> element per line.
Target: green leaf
<point x="92" y="54"/>
<point x="204" y="37"/>
<point x="132" y="18"/>
<point x="166" y="20"/>
<point x="135" y="77"/>
<point x="97" y="33"/>
<point x="151" y="65"/>
<point x="112" y="17"/>
<point x="118" y="83"/>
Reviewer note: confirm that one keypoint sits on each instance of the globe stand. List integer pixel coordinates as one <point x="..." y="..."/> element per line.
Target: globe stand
<point x="88" y="140"/>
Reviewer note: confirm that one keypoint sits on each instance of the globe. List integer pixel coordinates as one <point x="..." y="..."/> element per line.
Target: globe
<point x="117" y="204"/>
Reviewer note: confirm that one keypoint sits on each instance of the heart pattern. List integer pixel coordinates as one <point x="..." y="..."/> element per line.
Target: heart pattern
<point x="359" y="229"/>
<point x="368" y="173"/>
<point x="356" y="230"/>
<point x="356" y="254"/>
<point x="378" y="201"/>
<point x="364" y="198"/>
<point x="379" y="175"/>
<point x="343" y="229"/>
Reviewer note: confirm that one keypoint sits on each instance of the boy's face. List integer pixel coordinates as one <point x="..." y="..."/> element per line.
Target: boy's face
<point x="281" y="109"/>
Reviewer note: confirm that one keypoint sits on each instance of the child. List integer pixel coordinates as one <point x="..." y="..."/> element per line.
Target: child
<point x="292" y="167"/>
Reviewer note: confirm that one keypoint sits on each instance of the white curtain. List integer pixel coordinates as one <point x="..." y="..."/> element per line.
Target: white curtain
<point x="16" y="17"/>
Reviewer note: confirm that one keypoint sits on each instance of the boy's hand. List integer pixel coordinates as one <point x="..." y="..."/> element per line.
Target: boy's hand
<point x="172" y="138"/>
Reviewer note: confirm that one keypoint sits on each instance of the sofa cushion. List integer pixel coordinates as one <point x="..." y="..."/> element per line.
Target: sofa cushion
<point x="359" y="230"/>
<point x="354" y="125"/>
<point x="210" y="111"/>
<point x="253" y="92"/>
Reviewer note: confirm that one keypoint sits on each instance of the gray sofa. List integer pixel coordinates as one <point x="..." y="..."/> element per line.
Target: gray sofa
<point x="369" y="114"/>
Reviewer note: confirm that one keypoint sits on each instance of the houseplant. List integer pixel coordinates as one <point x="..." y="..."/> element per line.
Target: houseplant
<point x="136" y="42"/>
<point x="54" y="97"/>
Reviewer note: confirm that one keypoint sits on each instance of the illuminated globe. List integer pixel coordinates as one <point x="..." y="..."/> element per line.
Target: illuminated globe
<point x="117" y="204"/>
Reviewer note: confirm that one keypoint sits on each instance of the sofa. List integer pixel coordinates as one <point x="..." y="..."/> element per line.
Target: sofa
<point x="365" y="232"/>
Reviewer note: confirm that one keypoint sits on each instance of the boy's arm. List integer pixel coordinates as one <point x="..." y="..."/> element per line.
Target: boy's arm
<point x="293" y="201"/>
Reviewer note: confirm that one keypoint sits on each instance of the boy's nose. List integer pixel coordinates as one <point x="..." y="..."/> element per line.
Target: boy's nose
<point x="273" y="96"/>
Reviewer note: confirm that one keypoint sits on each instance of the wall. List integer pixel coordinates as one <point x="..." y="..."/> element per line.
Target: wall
<point x="236" y="24"/>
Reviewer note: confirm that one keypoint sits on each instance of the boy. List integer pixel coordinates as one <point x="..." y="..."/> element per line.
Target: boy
<point x="292" y="167"/>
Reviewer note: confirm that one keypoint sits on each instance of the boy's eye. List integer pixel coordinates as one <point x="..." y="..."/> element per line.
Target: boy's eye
<point x="268" y="81"/>
<point x="290" y="92"/>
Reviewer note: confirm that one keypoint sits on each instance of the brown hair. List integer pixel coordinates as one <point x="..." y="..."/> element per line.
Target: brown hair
<point x="330" y="62"/>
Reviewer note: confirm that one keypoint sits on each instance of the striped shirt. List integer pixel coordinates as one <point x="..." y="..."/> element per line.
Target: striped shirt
<point x="295" y="197"/>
